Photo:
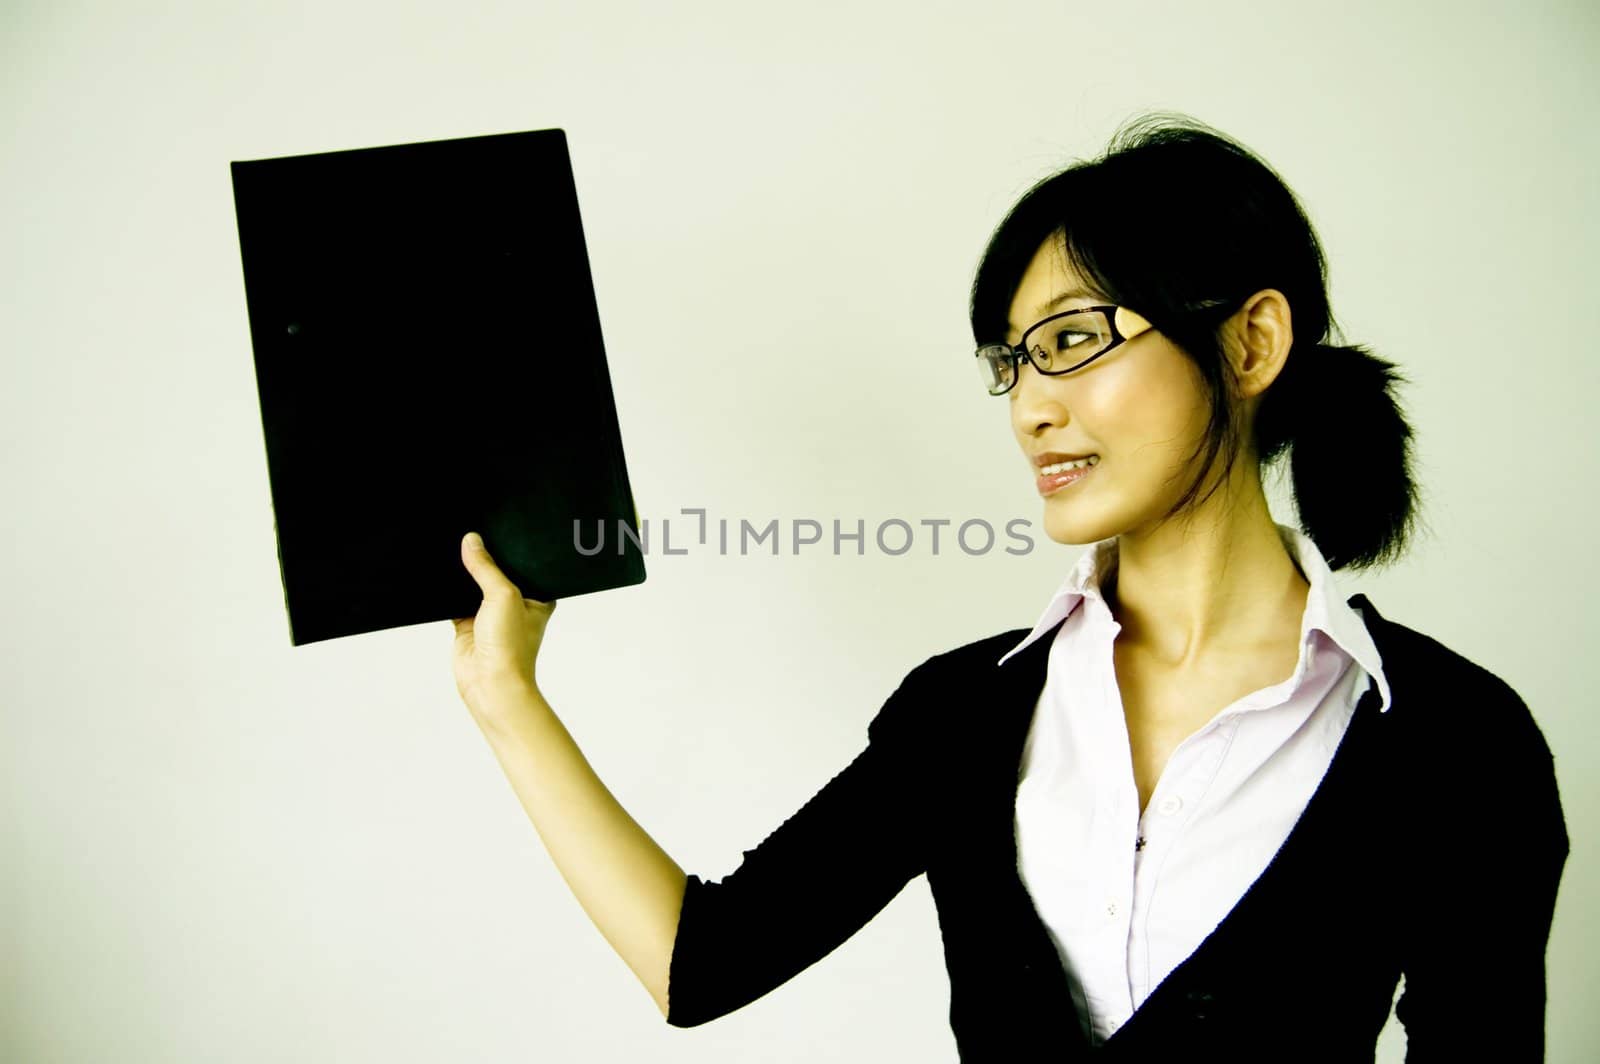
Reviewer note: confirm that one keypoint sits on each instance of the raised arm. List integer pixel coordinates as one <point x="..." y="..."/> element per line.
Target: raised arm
<point x="815" y="880"/>
<point x="702" y="949"/>
<point x="626" y="883"/>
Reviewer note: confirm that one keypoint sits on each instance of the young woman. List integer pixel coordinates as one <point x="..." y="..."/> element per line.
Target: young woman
<point x="1206" y="804"/>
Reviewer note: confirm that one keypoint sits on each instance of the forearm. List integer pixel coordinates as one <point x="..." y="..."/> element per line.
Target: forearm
<point x="628" y="885"/>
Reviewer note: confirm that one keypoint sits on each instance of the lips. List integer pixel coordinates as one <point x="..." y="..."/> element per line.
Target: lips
<point x="1049" y="484"/>
<point x="1052" y="457"/>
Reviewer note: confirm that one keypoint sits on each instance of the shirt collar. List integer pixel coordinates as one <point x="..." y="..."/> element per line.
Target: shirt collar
<point x="1326" y="609"/>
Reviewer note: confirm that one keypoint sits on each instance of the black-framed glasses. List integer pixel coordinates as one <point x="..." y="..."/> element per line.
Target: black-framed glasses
<point x="1055" y="345"/>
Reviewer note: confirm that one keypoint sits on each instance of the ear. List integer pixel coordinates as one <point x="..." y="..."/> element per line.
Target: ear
<point x="1263" y="334"/>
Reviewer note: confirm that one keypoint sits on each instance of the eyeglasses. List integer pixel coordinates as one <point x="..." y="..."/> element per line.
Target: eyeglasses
<point x="1055" y="345"/>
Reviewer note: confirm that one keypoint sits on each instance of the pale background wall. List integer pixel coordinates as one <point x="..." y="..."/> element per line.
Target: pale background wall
<point x="217" y="847"/>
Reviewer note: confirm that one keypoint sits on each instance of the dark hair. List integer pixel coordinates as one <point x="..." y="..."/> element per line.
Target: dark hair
<point x="1182" y="224"/>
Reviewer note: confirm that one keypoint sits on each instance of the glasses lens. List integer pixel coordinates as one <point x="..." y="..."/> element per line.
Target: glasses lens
<point x="996" y="368"/>
<point x="1062" y="343"/>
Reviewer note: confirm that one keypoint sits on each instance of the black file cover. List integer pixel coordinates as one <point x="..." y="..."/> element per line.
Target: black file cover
<point x="429" y="361"/>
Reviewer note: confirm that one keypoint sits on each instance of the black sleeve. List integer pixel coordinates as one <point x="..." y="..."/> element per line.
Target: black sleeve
<point x="1475" y="946"/>
<point x="813" y="882"/>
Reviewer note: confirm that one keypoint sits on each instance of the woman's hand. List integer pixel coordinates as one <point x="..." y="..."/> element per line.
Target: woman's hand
<point x="495" y="651"/>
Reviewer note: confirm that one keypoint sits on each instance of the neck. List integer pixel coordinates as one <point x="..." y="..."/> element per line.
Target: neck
<point x="1221" y="585"/>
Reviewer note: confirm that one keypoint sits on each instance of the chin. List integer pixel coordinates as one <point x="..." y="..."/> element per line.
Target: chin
<point x="1072" y="529"/>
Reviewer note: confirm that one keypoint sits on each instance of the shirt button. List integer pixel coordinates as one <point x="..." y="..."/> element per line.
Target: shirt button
<point x="1170" y="805"/>
<point x="1111" y="908"/>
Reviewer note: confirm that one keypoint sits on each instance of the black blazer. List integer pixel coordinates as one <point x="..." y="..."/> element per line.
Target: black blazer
<point x="1433" y="847"/>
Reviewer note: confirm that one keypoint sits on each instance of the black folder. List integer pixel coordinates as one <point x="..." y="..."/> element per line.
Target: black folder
<point x="429" y="361"/>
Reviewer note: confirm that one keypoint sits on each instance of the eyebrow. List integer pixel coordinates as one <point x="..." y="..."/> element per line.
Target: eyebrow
<point x="1055" y="301"/>
<point x="1043" y="310"/>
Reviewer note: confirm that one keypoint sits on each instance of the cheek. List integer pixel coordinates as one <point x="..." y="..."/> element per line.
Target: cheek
<point x="1145" y="408"/>
<point x="1165" y="406"/>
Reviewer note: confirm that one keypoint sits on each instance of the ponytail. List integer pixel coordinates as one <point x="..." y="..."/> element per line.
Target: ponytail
<point x="1335" y="410"/>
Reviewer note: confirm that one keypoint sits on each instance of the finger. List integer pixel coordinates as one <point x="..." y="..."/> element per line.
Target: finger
<point x="483" y="569"/>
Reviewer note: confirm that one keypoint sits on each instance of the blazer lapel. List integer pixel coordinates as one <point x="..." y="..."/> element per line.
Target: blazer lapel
<point x="1042" y="982"/>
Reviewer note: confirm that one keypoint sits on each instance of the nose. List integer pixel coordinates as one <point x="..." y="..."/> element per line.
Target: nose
<point x="1035" y="404"/>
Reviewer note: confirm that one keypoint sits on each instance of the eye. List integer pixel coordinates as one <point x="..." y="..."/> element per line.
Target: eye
<point x="1066" y="338"/>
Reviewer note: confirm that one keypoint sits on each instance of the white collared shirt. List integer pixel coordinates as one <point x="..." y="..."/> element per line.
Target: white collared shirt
<point x="1127" y="897"/>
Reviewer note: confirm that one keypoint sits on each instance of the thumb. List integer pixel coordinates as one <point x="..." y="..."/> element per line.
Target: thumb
<point x="483" y="568"/>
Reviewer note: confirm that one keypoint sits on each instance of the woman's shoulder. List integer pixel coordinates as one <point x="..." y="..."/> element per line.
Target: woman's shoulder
<point x="937" y="685"/>
<point x="1446" y="697"/>
<point x="1452" y="719"/>
<point x="972" y="659"/>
